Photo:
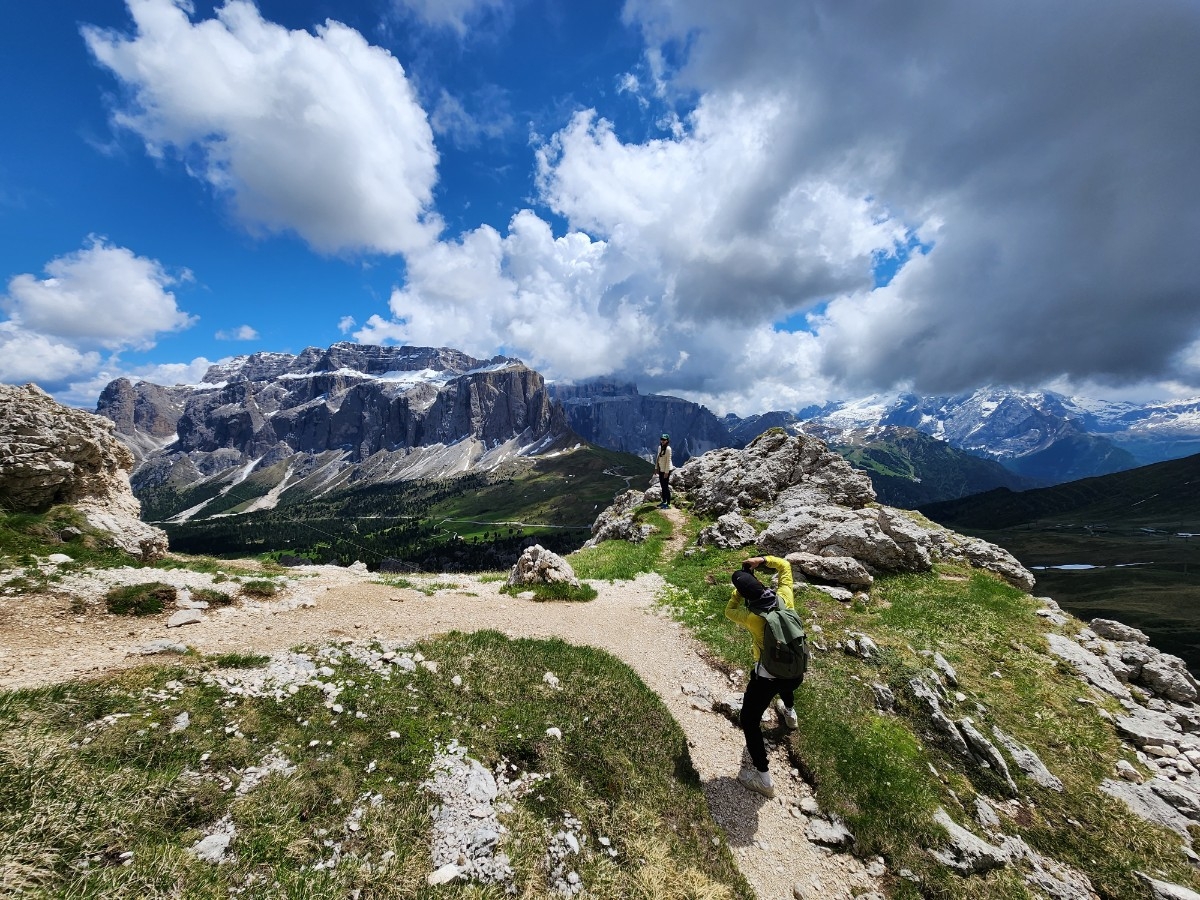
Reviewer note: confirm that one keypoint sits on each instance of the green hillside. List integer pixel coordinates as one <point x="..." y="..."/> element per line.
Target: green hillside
<point x="908" y="468"/>
<point x="105" y="792"/>
<point x="1127" y="539"/>
<point x="475" y="521"/>
<point x="1162" y="495"/>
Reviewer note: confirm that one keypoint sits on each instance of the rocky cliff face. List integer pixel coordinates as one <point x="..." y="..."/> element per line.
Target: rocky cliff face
<point x="52" y="454"/>
<point x="614" y="415"/>
<point x="349" y="412"/>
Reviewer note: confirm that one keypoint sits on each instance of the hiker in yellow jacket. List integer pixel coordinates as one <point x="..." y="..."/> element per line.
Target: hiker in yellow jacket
<point x="751" y="597"/>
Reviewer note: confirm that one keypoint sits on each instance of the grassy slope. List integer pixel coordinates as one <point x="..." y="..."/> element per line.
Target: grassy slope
<point x="886" y="775"/>
<point x="1128" y="524"/>
<point x="909" y="468"/>
<point x="79" y="792"/>
<point x="557" y="496"/>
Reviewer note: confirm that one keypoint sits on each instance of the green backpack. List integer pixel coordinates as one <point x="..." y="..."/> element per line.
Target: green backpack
<point x="785" y="645"/>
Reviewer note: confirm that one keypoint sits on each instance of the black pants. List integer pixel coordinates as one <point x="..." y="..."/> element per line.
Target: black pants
<point x="759" y="694"/>
<point x="664" y="482"/>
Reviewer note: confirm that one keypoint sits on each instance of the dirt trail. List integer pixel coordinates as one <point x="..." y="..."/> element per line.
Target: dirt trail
<point x="42" y="642"/>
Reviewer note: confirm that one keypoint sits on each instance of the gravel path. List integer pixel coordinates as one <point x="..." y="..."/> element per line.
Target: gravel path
<point x="42" y="641"/>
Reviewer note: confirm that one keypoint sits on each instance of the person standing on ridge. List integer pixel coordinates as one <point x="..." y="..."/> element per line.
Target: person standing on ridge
<point x="662" y="467"/>
<point x="750" y="598"/>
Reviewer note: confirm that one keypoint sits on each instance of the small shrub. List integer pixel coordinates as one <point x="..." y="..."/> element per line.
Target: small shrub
<point x="139" y="599"/>
<point x="212" y="597"/>
<point x="260" y="588"/>
<point x="548" y="592"/>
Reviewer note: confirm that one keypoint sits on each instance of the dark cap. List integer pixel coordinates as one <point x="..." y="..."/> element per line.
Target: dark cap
<point x="758" y="598"/>
<point x="665" y="437"/>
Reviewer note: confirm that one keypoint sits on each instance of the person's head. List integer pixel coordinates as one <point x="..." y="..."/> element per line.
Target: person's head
<point x="758" y="597"/>
<point x="664" y="440"/>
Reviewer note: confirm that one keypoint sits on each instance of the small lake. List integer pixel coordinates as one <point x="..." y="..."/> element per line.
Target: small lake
<point x="1078" y="567"/>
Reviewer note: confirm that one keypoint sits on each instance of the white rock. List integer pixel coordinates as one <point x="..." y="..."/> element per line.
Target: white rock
<point x="444" y="875"/>
<point x="185" y="617"/>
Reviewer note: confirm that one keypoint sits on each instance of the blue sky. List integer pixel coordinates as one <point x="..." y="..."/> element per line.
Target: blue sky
<point x="756" y="207"/>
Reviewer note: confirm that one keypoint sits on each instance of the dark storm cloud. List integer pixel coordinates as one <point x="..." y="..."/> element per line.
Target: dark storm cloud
<point x="1049" y="152"/>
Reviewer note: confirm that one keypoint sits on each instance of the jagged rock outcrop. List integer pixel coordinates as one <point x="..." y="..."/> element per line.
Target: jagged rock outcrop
<point x="845" y="570"/>
<point x="1160" y="723"/>
<point x="52" y="454"/>
<point x="618" y="522"/>
<point x="145" y="416"/>
<point x="814" y="503"/>
<point x="729" y="532"/>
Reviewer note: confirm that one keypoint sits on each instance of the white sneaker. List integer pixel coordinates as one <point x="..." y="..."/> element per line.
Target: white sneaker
<point x="759" y="782"/>
<point x="788" y="715"/>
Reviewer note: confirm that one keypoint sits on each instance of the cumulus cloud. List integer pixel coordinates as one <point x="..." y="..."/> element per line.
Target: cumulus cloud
<point x="27" y="356"/>
<point x="241" y="333"/>
<point x="1049" y="165"/>
<point x="83" y="391"/>
<point x="99" y="298"/>
<point x="319" y="134"/>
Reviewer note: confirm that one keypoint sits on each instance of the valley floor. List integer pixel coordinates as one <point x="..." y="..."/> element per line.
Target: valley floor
<point x="42" y="641"/>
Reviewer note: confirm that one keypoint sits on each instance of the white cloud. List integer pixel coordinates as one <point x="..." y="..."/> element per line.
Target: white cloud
<point x="101" y="296"/>
<point x="488" y="118"/>
<point x="345" y="323"/>
<point x="455" y="15"/>
<point x="27" y="356"/>
<point x="84" y="391"/>
<point x="100" y="299"/>
<point x="319" y="134"/>
<point x="241" y="333"/>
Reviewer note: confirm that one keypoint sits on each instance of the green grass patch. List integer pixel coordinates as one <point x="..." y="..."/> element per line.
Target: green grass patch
<point x="102" y="793"/>
<point x="259" y="588"/>
<point x="25" y="536"/>
<point x="560" y="591"/>
<point x="139" y="599"/>
<point x="622" y="560"/>
<point x="212" y="596"/>
<point x="238" y="660"/>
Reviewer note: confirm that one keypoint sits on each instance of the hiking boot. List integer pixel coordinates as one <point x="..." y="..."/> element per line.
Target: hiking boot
<point x="759" y="782"/>
<point x="787" y="715"/>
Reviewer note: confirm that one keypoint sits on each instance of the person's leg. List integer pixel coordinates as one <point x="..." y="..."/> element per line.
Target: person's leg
<point x="758" y="696"/>
<point x="787" y="691"/>
<point x="664" y="482"/>
<point x="787" y="701"/>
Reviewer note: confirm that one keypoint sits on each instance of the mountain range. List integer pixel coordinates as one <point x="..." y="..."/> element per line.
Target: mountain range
<point x="354" y="414"/>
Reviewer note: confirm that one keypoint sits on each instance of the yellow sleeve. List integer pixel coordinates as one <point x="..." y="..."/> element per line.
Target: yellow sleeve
<point x="735" y="611"/>
<point x="783" y="589"/>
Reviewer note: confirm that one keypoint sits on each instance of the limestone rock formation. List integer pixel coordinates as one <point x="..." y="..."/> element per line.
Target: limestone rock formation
<point x="817" y="507"/>
<point x="52" y="454"/>
<point x="617" y="522"/>
<point x="538" y="565"/>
